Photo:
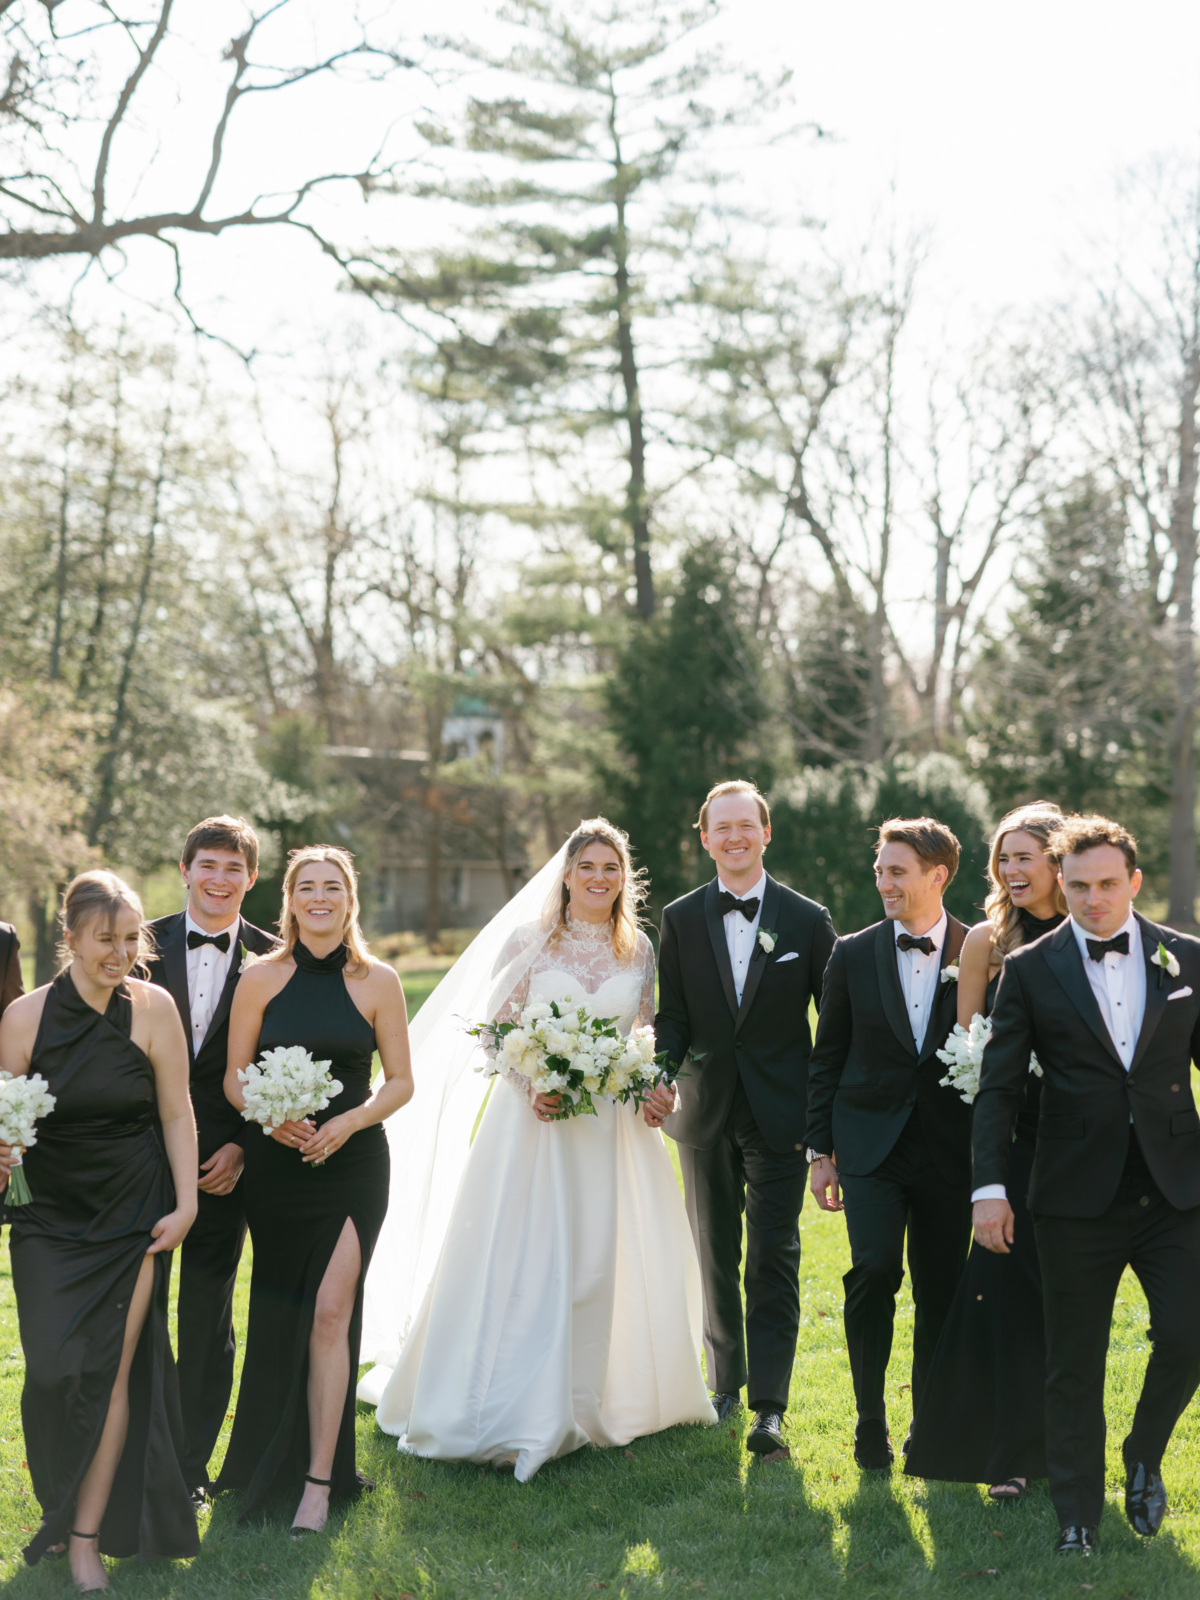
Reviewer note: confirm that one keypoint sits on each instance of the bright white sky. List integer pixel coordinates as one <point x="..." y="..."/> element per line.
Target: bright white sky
<point x="1000" y="127"/>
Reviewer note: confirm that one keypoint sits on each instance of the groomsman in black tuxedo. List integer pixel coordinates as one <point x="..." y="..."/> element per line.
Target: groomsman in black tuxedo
<point x="199" y="956"/>
<point x="11" y="984"/>
<point x="882" y="1127"/>
<point x="739" y="961"/>
<point x="1110" y="1004"/>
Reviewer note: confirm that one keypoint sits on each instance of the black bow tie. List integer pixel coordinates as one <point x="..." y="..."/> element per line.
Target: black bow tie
<point x="196" y="939"/>
<point x="730" y="902"/>
<point x="1099" y="948"/>
<point x="907" y="942"/>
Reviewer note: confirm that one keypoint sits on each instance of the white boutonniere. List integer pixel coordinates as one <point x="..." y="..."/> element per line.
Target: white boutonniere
<point x="1165" y="962"/>
<point x="950" y="973"/>
<point x="767" y="938"/>
<point x="245" y="958"/>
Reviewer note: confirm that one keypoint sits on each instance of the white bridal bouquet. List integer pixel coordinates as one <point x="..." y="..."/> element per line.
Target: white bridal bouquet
<point x="964" y="1057"/>
<point x="562" y="1049"/>
<point x="286" y="1085"/>
<point x="22" y="1102"/>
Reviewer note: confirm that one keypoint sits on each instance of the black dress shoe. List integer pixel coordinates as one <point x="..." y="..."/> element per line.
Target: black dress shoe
<point x="766" y="1434"/>
<point x="201" y="1501"/>
<point x="725" y="1405"/>
<point x="872" y="1445"/>
<point x="1077" y="1541"/>
<point x="1145" y="1499"/>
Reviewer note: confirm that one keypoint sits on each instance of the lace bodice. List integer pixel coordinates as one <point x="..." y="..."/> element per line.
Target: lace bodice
<point x="580" y="964"/>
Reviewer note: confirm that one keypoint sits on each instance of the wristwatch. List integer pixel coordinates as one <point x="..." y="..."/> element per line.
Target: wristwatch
<point x="817" y="1155"/>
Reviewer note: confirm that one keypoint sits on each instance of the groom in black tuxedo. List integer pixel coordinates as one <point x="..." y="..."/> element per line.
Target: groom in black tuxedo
<point x="739" y="961"/>
<point x="883" y="1127"/>
<point x="1110" y="1004"/>
<point x="199" y="953"/>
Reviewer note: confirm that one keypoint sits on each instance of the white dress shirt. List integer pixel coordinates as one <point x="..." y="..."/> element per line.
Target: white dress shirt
<point x="741" y="934"/>
<point x="919" y="974"/>
<point x="207" y="970"/>
<point x="1119" y="984"/>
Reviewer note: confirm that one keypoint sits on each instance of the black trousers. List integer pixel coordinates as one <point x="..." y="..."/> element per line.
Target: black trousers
<point x="1082" y="1259"/>
<point x="205" y="1338"/>
<point x="741" y="1174"/>
<point x="905" y="1193"/>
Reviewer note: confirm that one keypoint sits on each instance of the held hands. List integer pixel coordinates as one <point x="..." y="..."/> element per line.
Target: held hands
<point x="993" y="1223"/>
<point x="823" y="1181"/>
<point x="660" y="1104"/>
<point x="330" y="1136"/>
<point x="220" y="1173"/>
<point x="6" y="1161"/>
<point x="170" y="1231"/>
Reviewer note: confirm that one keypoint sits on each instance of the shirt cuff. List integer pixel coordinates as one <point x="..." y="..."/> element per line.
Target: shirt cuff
<point x="990" y="1191"/>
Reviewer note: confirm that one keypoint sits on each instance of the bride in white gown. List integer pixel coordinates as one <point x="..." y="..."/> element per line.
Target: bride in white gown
<point x="556" y="1301"/>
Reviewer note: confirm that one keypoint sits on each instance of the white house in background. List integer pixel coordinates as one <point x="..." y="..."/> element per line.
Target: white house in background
<point x="471" y="894"/>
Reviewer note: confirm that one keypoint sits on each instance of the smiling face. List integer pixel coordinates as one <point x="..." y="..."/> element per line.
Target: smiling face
<point x="735" y="837"/>
<point x="1100" y="889"/>
<point x="911" y="889"/>
<point x="103" y="952"/>
<point x="217" y="881"/>
<point x="594" y="882"/>
<point x="1027" y="872"/>
<point x="320" y="901"/>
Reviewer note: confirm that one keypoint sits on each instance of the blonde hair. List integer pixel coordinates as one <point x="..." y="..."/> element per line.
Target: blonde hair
<point x="733" y="786"/>
<point x="634" y="889"/>
<point x="1042" y="819"/>
<point x="100" y="894"/>
<point x="352" y="934"/>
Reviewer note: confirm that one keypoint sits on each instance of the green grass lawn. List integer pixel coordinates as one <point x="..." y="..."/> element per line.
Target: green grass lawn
<point x="684" y="1513"/>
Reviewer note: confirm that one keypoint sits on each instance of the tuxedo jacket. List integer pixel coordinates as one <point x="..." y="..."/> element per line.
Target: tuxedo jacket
<point x="866" y="1073"/>
<point x="1045" y="1004"/>
<point x="10" y="965"/>
<point x="217" y="1122"/>
<point x="711" y="1040"/>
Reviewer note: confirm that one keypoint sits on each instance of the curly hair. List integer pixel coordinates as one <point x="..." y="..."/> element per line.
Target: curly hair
<point x="1042" y="819"/>
<point x="634" y="887"/>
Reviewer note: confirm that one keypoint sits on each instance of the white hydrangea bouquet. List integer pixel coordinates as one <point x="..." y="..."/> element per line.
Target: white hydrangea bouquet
<point x="563" y="1049"/>
<point x="22" y="1102"/>
<point x="286" y="1085"/>
<point x="963" y="1055"/>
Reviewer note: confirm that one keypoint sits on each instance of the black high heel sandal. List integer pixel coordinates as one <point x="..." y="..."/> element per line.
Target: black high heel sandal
<point x="321" y="1483"/>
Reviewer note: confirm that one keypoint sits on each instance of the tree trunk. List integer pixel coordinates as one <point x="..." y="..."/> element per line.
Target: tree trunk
<point x="60" y="564"/>
<point x="635" y="496"/>
<point x="1181" y="912"/>
<point x="42" y="913"/>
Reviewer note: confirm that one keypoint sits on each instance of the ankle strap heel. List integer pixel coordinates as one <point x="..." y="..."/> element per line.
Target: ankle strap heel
<point x="321" y="1483"/>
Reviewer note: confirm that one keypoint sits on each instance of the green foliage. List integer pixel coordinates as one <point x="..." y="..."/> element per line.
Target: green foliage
<point x="685" y="710"/>
<point x="1069" y="701"/>
<point x="823" y="831"/>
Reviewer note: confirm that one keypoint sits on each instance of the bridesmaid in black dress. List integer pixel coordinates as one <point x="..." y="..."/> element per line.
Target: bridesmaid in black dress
<point x="91" y="1259"/>
<point x="313" y="1226"/>
<point x="982" y="1412"/>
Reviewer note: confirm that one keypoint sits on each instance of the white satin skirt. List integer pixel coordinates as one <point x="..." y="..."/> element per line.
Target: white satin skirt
<point x="566" y="1306"/>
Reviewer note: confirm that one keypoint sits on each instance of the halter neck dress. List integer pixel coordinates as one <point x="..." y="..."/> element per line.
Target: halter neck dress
<point x="100" y="1181"/>
<point x="982" y="1414"/>
<point x="296" y="1212"/>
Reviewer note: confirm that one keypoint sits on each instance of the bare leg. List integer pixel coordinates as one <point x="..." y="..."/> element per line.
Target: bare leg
<point x="87" y="1569"/>
<point x="329" y="1372"/>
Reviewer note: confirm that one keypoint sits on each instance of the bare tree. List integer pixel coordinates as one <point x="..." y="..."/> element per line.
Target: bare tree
<point x="64" y="163"/>
<point x="1140" y="361"/>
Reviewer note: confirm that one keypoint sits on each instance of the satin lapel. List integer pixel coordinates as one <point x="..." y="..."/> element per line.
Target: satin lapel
<point x="947" y="994"/>
<point x="225" y="999"/>
<point x="890" y="988"/>
<point x="716" y="932"/>
<point x="759" y="957"/>
<point x="1065" y="962"/>
<point x="174" y="965"/>
<point x="1156" y="994"/>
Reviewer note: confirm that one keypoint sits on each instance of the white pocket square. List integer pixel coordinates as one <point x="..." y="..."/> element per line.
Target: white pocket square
<point x="794" y="955"/>
<point x="1180" y="994"/>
